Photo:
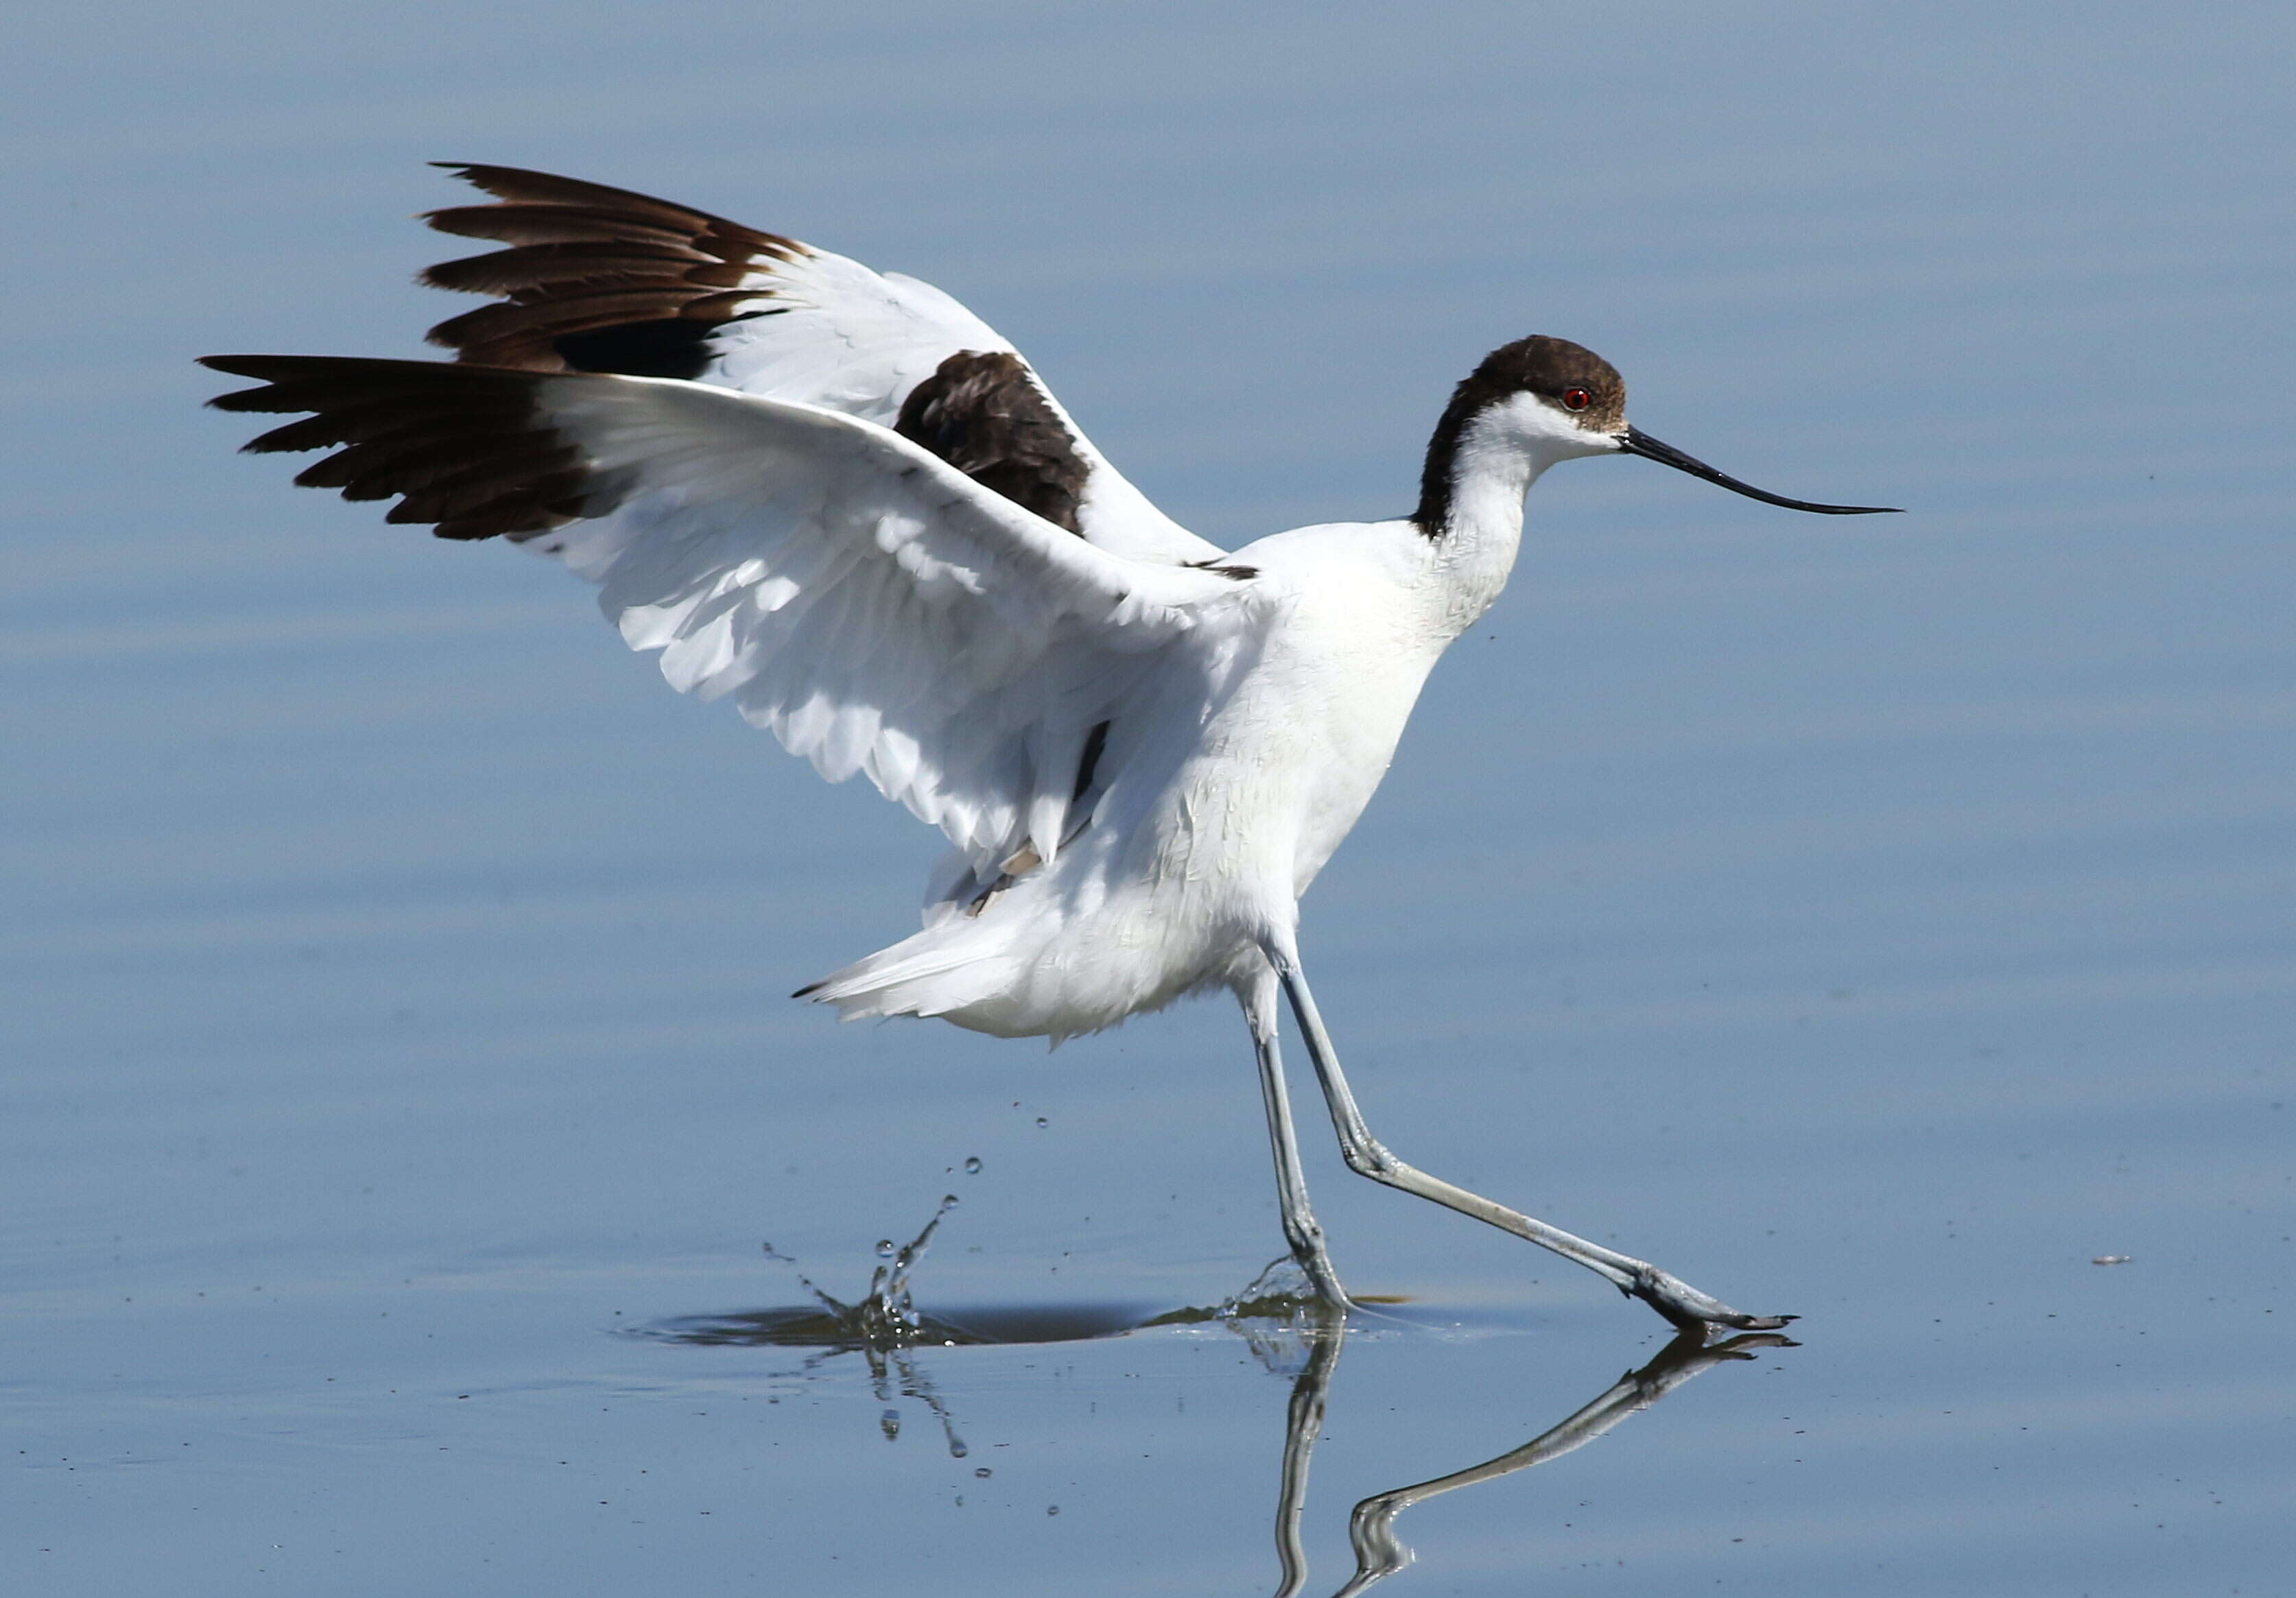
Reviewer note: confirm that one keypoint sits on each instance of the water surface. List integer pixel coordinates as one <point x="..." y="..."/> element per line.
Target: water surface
<point x="1880" y="923"/>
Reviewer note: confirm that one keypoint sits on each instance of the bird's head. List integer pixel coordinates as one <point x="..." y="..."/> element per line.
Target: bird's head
<point x="1551" y="400"/>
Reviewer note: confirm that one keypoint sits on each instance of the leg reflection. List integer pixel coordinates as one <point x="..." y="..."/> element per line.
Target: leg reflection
<point x="1326" y="1328"/>
<point x="1371" y="1527"/>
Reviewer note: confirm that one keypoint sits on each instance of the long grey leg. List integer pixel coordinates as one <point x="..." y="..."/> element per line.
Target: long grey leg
<point x="1672" y="1298"/>
<point x="1300" y="1228"/>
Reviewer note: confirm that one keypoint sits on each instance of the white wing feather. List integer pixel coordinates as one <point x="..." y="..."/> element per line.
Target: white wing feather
<point x="875" y="608"/>
<point x="852" y="339"/>
<point x="782" y="320"/>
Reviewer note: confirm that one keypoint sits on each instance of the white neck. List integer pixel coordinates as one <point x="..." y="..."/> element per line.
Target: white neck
<point x="1501" y="453"/>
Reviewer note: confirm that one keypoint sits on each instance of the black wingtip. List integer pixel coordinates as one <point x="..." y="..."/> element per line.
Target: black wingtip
<point x="260" y="367"/>
<point x="810" y="988"/>
<point x="272" y="368"/>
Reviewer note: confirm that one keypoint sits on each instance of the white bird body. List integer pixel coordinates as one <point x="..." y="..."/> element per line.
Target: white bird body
<point x="840" y="500"/>
<point x="1272" y="722"/>
<point x="1267" y="728"/>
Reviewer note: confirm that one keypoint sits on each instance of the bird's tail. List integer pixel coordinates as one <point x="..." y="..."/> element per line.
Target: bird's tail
<point x="951" y="969"/>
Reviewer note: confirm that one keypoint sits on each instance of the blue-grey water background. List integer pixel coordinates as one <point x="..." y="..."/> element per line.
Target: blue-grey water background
<point x="1877" y="921"/>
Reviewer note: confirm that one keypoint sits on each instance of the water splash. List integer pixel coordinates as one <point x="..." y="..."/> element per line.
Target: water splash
<point x="883" y="1326"/>
<point x="1282" y="1319"/>
<point x="1279" y="1292"/>
<point x="1278" y="1313"/>
<point x="885" y="1317"/>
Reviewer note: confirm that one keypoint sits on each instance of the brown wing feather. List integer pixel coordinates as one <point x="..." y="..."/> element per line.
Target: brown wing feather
<point x="466" y="446"/>
<point x="586" y="258"/>
<point x="595" y="278"/>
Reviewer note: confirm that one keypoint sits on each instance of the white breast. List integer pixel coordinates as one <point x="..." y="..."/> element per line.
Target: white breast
<point x="1259" y="758"/>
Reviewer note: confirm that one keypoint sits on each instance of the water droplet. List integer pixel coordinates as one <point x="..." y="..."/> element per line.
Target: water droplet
<point x="1051" y="1509"/>
<point x="884" y="1248"/>
<point x="1044" y="1120"/>
<point x="973" y="1166"/>
<point x="983" y="1471"/>
<point x="948" y="1202"/>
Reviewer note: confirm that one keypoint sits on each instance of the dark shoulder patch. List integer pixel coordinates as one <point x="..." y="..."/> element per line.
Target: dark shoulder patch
<point x="983" y="412"/>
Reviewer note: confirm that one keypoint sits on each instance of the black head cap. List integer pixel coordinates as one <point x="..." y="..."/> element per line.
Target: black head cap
<point x="1551" y="368"/>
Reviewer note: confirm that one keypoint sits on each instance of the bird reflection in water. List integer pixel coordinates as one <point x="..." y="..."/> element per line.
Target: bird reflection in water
<point x="1371" y="1524"/>
<point x="1289" y="1327"/>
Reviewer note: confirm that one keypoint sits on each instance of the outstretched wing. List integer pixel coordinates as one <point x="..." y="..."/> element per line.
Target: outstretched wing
<point x="598" y="279"/>
<point x="876" y="608"/>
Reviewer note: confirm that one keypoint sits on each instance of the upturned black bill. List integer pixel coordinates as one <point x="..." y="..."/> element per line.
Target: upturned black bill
<point x="1637" y="442"/>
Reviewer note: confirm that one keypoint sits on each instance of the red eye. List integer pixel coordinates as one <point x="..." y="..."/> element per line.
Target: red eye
<point x="1577" y="400"/>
